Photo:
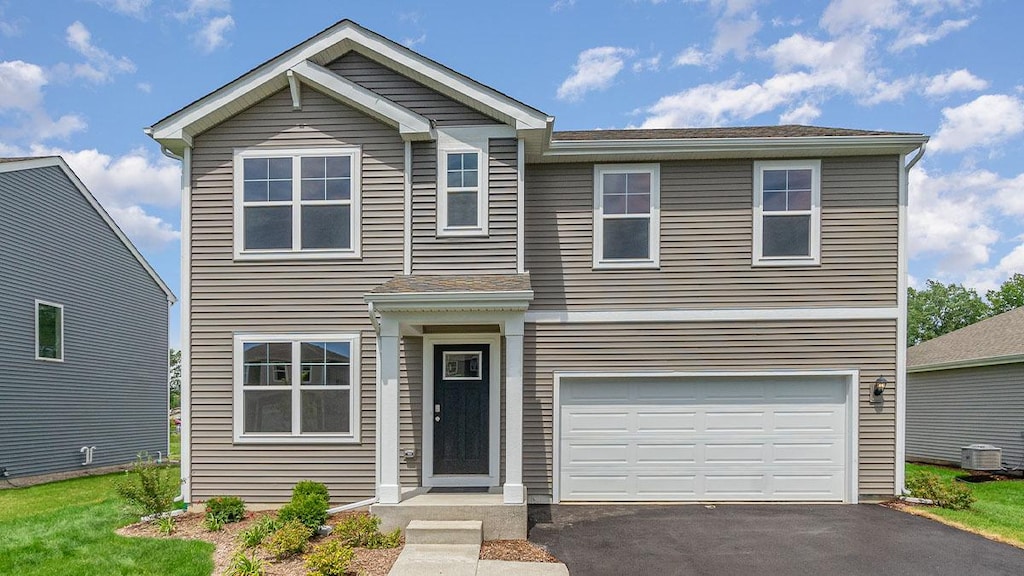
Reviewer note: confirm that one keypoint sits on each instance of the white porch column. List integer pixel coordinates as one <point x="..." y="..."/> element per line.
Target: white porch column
<point x="513" y="490"/>
<point x="390" y="489"/>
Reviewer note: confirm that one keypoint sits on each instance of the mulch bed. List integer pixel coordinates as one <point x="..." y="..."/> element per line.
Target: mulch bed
<point x="514" y="551"/>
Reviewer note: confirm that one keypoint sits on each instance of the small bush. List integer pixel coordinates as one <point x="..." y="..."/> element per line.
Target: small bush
<point x="166" y="525"/>
<point x="259" y="531"/>
<point x="227" y="509"/>
<point x="363" y="531"/>
<point x="245" y="565"/>
<point x="953" y="495"/>
<point x="148" y="488"/>
<point x="310" y="510"/>
<point x="308" y="487"/>
<point x="288" y="540"/>
<point x="213" y="524"/>
<point x="329" y="559"/>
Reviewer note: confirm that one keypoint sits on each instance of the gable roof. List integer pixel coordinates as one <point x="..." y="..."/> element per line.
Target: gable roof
<point x="995" y="340"/>
<point x="176" y="130"/>
<point x="30" y="163"/>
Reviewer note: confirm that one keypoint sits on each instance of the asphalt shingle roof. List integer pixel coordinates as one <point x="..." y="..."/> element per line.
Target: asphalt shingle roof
<point x="995" y="337"/>
<point x="418" y="283"/>
<point x="784" y="131"/>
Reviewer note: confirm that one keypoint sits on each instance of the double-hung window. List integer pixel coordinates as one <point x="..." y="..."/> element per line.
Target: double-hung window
<point x="627" y="200"/>
<point x="462" y="182"/>
<point x="49" y="331"/>
<point x="296" y="388"/>
<point x="297" y="203"/>
<point x="787" y="213"/>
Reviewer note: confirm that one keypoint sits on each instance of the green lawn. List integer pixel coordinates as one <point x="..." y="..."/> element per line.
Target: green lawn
<point x="999" y="508"/>
<point x="68" y="528"/>
<point x="175" y="450"/>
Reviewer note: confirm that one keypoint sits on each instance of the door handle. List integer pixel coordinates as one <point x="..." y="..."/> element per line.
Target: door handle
<point x="437" y="412"/>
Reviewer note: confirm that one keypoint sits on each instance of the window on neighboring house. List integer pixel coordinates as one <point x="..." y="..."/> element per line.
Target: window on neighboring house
<point x="787" y="213"/>
<point x="462" y="182"/>
<point x="627" y="215"/>
<point x="299" y="203"/>
<point x="49" y="331"/>
<point x="296" y="388"/>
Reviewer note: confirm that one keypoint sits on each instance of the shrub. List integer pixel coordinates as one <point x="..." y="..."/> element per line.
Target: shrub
<point x="288" y="540"/>
<point x="227" y="509"/>
<point x="245" y="565"/>
<point x="329" y="559"/>
<point x="258" y="532"/>
<point x="363" y="531"/>
<point x="213" y="524"/>
<point x="308" y="487"/>
<point x="166" y="525"/>
<point x="148" y="488"/>
<point x="953" y="495"/>
<point x="310" y="510"/>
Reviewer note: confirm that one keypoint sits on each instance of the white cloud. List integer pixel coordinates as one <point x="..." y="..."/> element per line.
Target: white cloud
<point x="202" y="8"/>
<point x="985" y="121"/>
<point x="21" y="104"/>
<point x="100" y="66"/>
<point x="413" y="42"/>
<point x="211" y="35"/>
<point x="909" y="38"/>
<point x="144" y="87"/>
<point x="8" y="28"/>
<point x="21" y="85"/>
<point x="562" y="4"/>
<point x="652" y="64"/>
<point x="856" y="15"/>
<point x="692" y="56"/>
<point x="803" y="114"/>
<point x="595" y="69"/>
<point x="734" y="35"/>
<point x="145" y="230"/>
<point x="957" y="81"/>
<point x="135" y="8"/>
<point x="985" y="279"/>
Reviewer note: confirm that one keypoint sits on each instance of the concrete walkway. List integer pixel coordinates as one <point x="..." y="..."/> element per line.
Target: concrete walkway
<point x="463" y="560"/>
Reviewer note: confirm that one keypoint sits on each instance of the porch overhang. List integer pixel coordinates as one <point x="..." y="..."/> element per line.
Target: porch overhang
<point x="453" y="293"/>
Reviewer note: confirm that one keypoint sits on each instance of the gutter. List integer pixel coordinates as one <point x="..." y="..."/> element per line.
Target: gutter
<point x="969" y="363"/>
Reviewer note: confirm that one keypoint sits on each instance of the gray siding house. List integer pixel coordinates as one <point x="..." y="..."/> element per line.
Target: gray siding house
<point x="640" y="315"/>
<point x="967" y="387"/>
<point x="83" y="326"/>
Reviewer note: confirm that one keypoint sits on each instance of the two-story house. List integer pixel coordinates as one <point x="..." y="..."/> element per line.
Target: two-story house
<point x="397" y="279"/>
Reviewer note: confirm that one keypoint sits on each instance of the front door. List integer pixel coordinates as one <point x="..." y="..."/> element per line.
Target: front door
<point x="461" y="406"/>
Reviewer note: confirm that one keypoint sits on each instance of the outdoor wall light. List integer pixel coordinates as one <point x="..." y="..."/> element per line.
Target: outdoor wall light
<point x="878" y="389"/>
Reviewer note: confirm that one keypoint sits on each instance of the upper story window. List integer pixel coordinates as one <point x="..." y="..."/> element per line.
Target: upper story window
<point x="297" y="203"/>
<point x="787" y="213"/>
<point x="627" y="201"/>
<point x="49" y="331"/>
<point x="462" y="182"/>
<point x="296" y="388"/>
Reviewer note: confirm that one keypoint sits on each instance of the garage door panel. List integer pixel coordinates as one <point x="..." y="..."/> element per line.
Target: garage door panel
<point x="704" y="439"/>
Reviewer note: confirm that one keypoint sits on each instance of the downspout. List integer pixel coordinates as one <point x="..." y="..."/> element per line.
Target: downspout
<point x="901" y="328"/>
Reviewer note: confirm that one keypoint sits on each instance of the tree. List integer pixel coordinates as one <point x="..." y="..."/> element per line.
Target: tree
<point x="939" y="308"/>
<point x="175" y="380"/>
<point x="1008" y="296"/>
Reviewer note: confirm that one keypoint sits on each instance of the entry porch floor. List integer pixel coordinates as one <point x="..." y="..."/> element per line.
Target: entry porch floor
<point x="500" y="521"/>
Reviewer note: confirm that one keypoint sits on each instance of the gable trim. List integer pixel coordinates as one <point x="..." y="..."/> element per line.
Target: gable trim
<point x="48" y="161"/>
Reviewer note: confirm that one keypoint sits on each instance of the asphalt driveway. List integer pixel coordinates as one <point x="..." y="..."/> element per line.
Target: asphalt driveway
<point x="776" y="540"/>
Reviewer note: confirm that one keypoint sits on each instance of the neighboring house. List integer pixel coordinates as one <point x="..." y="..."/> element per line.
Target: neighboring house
<point x="967" y="387"/>
<point x="83" y="327"/>
<point x="398" y="278"/>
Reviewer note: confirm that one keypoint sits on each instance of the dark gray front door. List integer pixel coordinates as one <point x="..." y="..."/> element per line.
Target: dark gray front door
<point x="461" y="403"/>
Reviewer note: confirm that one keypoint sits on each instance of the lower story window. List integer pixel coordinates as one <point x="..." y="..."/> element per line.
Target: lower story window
<point x="296" y="388"/>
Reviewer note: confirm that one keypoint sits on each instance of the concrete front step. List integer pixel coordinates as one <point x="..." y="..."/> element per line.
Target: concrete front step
<point x="437" y="560"/>
<point x="500" y="521"/>
<point x="444" y="532"/>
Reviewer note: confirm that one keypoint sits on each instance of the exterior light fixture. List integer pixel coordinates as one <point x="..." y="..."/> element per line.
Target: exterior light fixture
<point x="878" y="389"/>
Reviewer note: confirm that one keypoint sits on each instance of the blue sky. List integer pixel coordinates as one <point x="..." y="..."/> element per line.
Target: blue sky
<point x="83" y="78"/>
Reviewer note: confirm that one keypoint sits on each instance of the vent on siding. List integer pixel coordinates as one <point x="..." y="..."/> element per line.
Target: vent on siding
<point x="981" y="457"/>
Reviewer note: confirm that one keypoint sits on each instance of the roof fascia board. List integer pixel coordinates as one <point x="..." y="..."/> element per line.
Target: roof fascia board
<point x="59" y="162"/>
<point x="174" y="126"/>
<point x="411" y="125"/>
<point x="970" y="363"/>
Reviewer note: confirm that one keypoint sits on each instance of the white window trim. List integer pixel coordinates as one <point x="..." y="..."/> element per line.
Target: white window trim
<point x="654" y="241"/>
<point x="35" y="321"/>
<point x="814" y="258"/>
<point x="461" y="141"/>
<point x="296" y="252"/>
<point x="238" y="405"/>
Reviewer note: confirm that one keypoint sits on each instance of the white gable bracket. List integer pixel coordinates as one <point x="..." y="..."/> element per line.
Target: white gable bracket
<point x="410" y="125"/>
<point x="295" y="88"/>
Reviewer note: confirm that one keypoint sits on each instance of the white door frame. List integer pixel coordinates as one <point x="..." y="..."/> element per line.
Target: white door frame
<point x="492" y="478"/>
<point x="850" y="488"/>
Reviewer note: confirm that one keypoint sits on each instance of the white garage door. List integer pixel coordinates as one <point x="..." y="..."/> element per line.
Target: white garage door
<point x="710" y="439"/>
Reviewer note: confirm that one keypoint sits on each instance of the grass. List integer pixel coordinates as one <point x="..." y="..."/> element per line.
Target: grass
<point x="68" y="528"/>
<point x="999" y="509"/>
<point x="175" y="450"/>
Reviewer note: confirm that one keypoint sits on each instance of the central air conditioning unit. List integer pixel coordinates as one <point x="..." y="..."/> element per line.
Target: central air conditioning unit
<point x="981" y="457"/>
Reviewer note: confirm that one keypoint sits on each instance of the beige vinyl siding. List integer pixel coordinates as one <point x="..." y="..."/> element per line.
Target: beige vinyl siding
<point x="406" y="91"/>
<point x="868" y="346"/>
<point x="285" y="296"/>
<point x="706" y="241"/>
<point x="948" y="409"/>
<point x="495" y="253"/>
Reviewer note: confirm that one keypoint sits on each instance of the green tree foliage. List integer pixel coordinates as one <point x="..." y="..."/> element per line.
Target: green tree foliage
<point x="1008" y="296"/>
<point x="174" y="365"/>
<point x="939" y="308"/>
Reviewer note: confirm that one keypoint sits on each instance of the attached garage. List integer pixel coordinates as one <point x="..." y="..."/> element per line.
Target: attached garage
<point x="714" y="437"/>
